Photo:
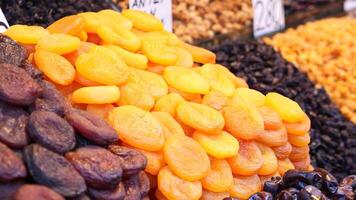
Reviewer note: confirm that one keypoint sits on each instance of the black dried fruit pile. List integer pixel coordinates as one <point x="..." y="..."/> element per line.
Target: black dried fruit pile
<point x="44" y="12"/>
<point x="317" y="184"/>
<point x="333" y="137"/>
<point x="49" y="150"/>
<point x="292" y="6"/>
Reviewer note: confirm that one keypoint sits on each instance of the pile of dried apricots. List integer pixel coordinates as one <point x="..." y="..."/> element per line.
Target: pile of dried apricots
<point x="206" y="135"/>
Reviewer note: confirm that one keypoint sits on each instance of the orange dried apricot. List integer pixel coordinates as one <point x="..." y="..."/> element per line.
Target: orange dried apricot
<point x="299" y="153"/>
<point x="215" y="99"/>
<point x="186" y="95"/>
<point x="93" y="38"/>
<point x="164" y="37"/>
<point x="142" y="20"/>
<point x="96" y="95"/>
<point x="70" y="25"/>
<point x="284" y="165"/>
<point x="84" y="47"/>
<point x="200" y="55"/>
<point x="82" y="35"/>
<point x="248" y="159"/>
<point x="131" y="94"/>
<point x="298" y="128"/>
<point x="58" y="43"/>
<point x="168" y="103"/>
<point x="273" y="138"/>
<point x="239" y="82"/>
<point x="26" y="34"/>
<point x="169" y="124"/>
<point x="159" y="53"/>
<point x="117" y="18"/>
<point x="271" y="119"/>
<point x="186" y="158"/>
<point x="55" y="67"/>
<point x="92" y="21"/>
<point x="119" y="36"/>
<point x="83" y="81"/>
<point x="184" y="59"/>
<point x="222" y="145"/>
<point x="101" y="110"/>
<point x="187" y="129"/>
<point x="283" y="152"/>
<point x="245" y="186"/>
<point x="219" y="178"/>
<point x="175" y="188"/>
<point x="137" y="128"/>
<point x="155" y="161"/>
<point x="270" y="163"/>
<point x="250" y="95"/>
<point x="208" y="195"/>
<point x="155" y="68"/>
<point x="299" y="140"/>
<point x="303" y="164"/>
<point x="131" y="59"/>
<point x="216" y="76"/>
<point x="159" y="195"/>
<point x="102" y="66"/>
<point x="200" y="117"/>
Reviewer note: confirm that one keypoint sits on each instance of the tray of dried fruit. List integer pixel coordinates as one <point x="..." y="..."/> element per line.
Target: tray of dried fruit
<point x="107" y="105"/>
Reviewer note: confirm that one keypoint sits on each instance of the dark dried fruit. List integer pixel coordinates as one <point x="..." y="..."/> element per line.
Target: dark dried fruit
<point x="51" y="99"/>
<point x="300" y="179"/>
<point x="10" y="51"/>
<point x="82" y="141"/>
<point x="311" y="193"/>
<point x="349" y="180"/>
<point x="100" y="168"/>
<point x="273" y="186"/>
<point x="13" y="121"/>
<point x="8" y="189"/>
<point x="32" y="70"/>
<point x="92" y="127"/>
<point x="330" y="184"/>
<point x="344" y="193"/>
<point x="11" y="166"/>
<point x="117" y="193"/>
<point x="36" y="192"/>
<point x="144" y="183"/>
<point x="16" y="86"/>
<point x="81" y="197"/>
<point x="51" y="131"/>
<point x="132" y="188"/>
<point x="54" y="171"/>
<point x="261" y="196"/>
<point x="289" y="194"/>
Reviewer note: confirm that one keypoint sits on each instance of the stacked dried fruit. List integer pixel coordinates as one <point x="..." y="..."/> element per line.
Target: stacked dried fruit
<point x="46" y="141"/>
<point x="203" y="131"/>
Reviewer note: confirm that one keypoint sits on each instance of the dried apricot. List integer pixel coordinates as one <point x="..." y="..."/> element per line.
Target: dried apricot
<point x="284" y="165"/>
<point x="58" y="43"/>
<point x="245" y="186"/>
<point x="70" y="25"/>
<point x="273" y="138"/>
<point x="271" y="119"/>
<point x="287" y="109"/>
<point x="83" y="81"/>
<point x="131" y="94"/>
<point x="169" y="124"/>
<point x="208" y="195"/>
<point x="216" y="76"/>
<point x="159" y="53"/>
<point x="248" y="159"/>
<point x="164" y="37"/>
<point x="219" y="146"/>
<point x="84" y="47"/>
<point x="155" y="161"/>
<point x="283" y="152"/>
<point x="26" y="34"/>
<point x="298" y="128"/>
<point x="299" y="153"/>
<point x="119" y="36"/>
<point x="101" y="110"/>
<point x="186" y="95"/>
<point x="200" y="117"/>
<point x="175" y="188"/>
<point x="303" y="164"/>
<point x="103" y="66"/>
<point x="299" y="140"/>
<point x="186" y="158"/>
<point x="155" y="68"/>
<point x="137" y="128"/>
<point x="219" y="178"/>
<point x="200" y="55"/>
<point x="168" y="103"/>
<point x="250" y="95"/>
<point x="142" y="20"/>
<point x="159" y="195"/>
<point x="270" y="163"/>
<point x="215" y="99"/>
<point x="92" y="21"/>
<point x="96" y="95"/>
<point x="131" y="59"/>
<point x="82" y="35"/>
<point x="55" y="67"/>
<point x="184" y="59"/>
<point x="117" y="18"/>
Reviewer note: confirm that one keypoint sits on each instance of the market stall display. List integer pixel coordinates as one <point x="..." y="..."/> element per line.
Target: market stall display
<point x="292" y="6"/>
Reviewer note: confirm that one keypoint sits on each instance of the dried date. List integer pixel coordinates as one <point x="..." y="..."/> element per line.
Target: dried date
<point x="8" y="189"/>
<point x="32" y="70"/>
<point x="36" y="192"/>
<point x="116" y="194"/>
<point x="132" y="188"/>
<point x="144" y="183"/>
<point x="11" y="166"/>
<point x="10" y="51"/>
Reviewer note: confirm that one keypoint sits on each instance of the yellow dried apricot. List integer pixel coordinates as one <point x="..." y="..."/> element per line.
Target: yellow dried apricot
<point x="186" y="80"/>
<point x="82" y="35"/>
<point x="137" y="128"/>
<point x="239" y="82"/>
<point x="26" y="34"/>
<point x="248" y="159"/>
<point x="159" y="53"/>
<point x="102" y="66"/>
<point x="219" y="178"/>
<point x="298" y="128"/>
<point x="186" y="158"/>
<point x="92" y="21"/>
<point x="200" y="117"/>
<point x="168" y="103"/>
<point x="200" y="55"/>
<point x="143" y="21"/>
<point x="216" y="76"/>
<point x="273" y="138"/>
<point x="299" y="153"/>
<point x="155" y="161"/>
<point x="184" y="59"/>
<point x="215" y="99"/>
<point x="131" y="94"/>
<point x="250" y="95"/>
<point x="58" y="43"/>
<point x="70" y="25"/>
<point x="101" y="110"/>
<point x="271" y="119"/>
<point x="155" y="68"/>
<point x="299" y="140"/>
<point x="208" y="195"/>
<point x="164" y="37"/>
<point x="84" y="47"/>
<point x="186" y="95"/>
<point x="117" y="18"/>
<point x="270" y="163"/>
<point x="169" y="124"/>
<point x="283" y="152"/>
<point x="303" y="164"/>
<point x="131" y="59"/>
<point x="175" y="188"/>
<point x="284" y="165"/>
<point x="83" y="81"/>
<point x="287" y="109"/>
<point x="245" y="186"/>
<point x="222" y="145"/>
<point x="55" y="67"/>
<point x="96" y="95"/>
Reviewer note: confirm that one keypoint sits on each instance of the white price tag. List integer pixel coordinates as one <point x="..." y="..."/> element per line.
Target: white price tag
<point x="3" y="22"/>
<point x="162" y="9"/>
<point x="349" y="5"/>
<point x="268" y="17"/>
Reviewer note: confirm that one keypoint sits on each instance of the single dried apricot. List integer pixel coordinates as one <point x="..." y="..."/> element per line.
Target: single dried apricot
<point x="131" y="94"/>
<point x="92" y="21"/>
<point x="248" y="159"/>
<point x="245" y="186"/>
<point x="164" y="37"/>
<point x="215" y="99"/>
<point x="70" y="25"/>
<point x="271" y="119"/>
<point x="131" y="59"/>
<point x="283" y="152"/>
<point x="159" y="53"/>
<point x="142" y="20"/>
<point x="239" y="82"/>
<point x="219" y="178"/>
<point x="168" y="103"/>
<point x="187" y="129"/>
<point x="159" y="195"/>
<point x="186" y="158"/>
<point x="284" y="165"/>
<point x="208" y="195"/>
<point x="243" y="120"/>
<point x="298" y="128"/>
<point x="200" y="117"/>
<point x="119" y="36"/>
<point x="250" y="95"/>
<point x="200" y="55"/>
<point x="84" y="47"/>
<point x="169" y="124"/>
<point x="102" y="66"/>
<point x="155" y="161"/>
<point x="216" y="76"/>
<point x="219" y="146"/>
<point x="137" y="128"/>
<point x="287" y="109"/>
<point x="58" y="43"/>
<point x="299" y="140"/>
<point x="55" y="67"/>
<point x="184" y="59"/>
<point x="82" y="35"/>
<point x="270" y="163"/>
<point x="186" y="95"/>
<point x="303" y="164"/>
<point x="155" y="68"/>
<point x="83" y="81"/>
<point x="101" y="110"/>
<point x="175" y="188"/>
<point x="299" y="153"/>
<point x="273" y="138"/>
<point x="26" y="34"/>
<point x="96" y="94"/>
<point x="117" y="18"/>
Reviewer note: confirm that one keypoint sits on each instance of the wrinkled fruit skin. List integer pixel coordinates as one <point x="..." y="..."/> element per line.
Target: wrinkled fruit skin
<point x="144" y="183"/>
<point x="11" y="166"/>
<point x="92" y="127"/>
<point x="16" y="86"/>
<point x="54" y="171"/>
<point x="261" y="196"/>
<point x="289" y="194"/>
<point x="132" y="161"/>
<point x="8" y="189"/>
<point x="117" y="193"/>
<point x="273" y="186"/>
<point x="311" y="192"/>
<point x="32" y="70"/>
<point x="99" y="167"/>
<point x="36" y="192"/>
<point x="13" y="122"/>
<point x="300" y="179"/>
<point x="132" y="188"/>
<point x="11" y="52"/>
<point x="51" y="131"/>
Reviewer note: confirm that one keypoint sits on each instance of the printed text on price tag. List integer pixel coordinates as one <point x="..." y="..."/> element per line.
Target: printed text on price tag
<point x="162" y="9"/>
<point x="268" y="17"/>
<point x="3" y="22"/>
<point x="349" y="5"/>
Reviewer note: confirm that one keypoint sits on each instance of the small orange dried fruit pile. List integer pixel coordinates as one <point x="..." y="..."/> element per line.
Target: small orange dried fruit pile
<point x="205" y="134"/>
